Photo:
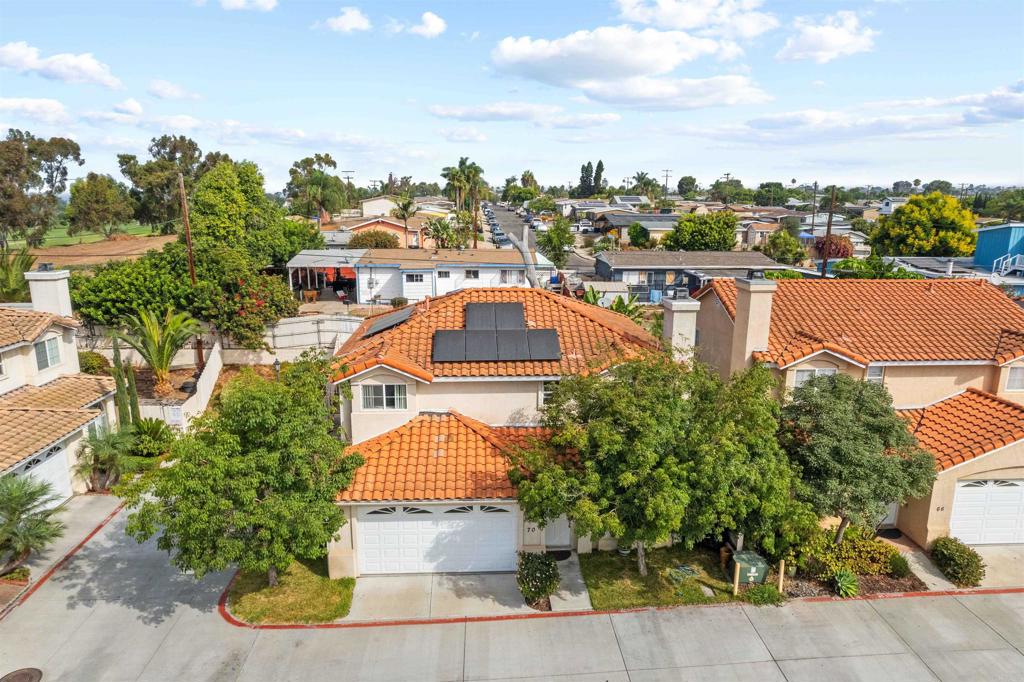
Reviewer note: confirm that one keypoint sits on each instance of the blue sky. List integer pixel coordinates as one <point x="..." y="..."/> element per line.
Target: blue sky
<point x="834" y="91"/>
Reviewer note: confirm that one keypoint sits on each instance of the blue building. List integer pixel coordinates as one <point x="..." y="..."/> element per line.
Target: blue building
<point x="1001" y="249"/>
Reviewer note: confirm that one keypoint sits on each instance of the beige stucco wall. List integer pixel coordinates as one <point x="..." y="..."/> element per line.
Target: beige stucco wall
<point x="916" y="385"/>
<point x="1000" y="376"/>
<point x="926" y="519"/>
<point x="363" y="424"/>
<point x="714" y="334"/>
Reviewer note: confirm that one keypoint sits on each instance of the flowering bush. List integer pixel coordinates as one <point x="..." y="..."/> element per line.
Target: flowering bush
<point x="537" y="576"/>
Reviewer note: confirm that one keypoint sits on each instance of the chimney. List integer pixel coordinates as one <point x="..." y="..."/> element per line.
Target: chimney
<point x="753" y="317"/>
<point x="679" y="326"/>
<point x="49" y="290"/>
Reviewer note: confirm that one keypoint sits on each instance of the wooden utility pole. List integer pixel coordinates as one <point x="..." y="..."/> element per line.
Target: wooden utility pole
<point x="200" y="360"/>
<point x="828" y="234"/>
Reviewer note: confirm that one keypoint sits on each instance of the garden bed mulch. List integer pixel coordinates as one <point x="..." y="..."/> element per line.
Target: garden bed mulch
<point x="541" y="604"/>
<point x="804" y="586"/>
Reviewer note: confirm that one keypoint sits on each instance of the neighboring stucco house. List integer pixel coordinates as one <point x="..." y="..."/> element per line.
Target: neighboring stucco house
<point x="951" y="353"/>
<point x="46" y="405"/>
<point x="439" y="390"/>
<point x="378" y="206"/>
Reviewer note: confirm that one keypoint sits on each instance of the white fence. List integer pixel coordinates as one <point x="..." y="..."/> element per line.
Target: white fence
<point x="286" y="340"/>
<point x="180" y="415"/>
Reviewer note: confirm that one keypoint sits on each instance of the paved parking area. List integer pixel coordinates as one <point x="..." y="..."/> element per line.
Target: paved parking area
<point x="118" y="612"/>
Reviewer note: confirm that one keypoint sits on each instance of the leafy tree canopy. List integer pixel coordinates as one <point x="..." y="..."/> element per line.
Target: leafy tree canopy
<point x="374" y="239"/>
<point x="554" y="241"/>
<point x="872" y="267"/>
<point x="687" y="186"/>
<point x="834" y="246"/>
<point x="730" y="191"/>
<point x="709" y="232"/>
<point x="253" y="483"/>
<point x="542" y="203"/>
<point x="1008" y="205"/>
<point x="785" y="248"/>
<point x="855" y="453"/>
<point x="98" y="204"/>
<point x="927" y="225"/>
<point x="639" y="236"/>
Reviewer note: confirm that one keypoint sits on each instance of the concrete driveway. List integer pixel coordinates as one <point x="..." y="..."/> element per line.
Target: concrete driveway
<point x="1004" y="565"/>
<point x="117" y="612"/>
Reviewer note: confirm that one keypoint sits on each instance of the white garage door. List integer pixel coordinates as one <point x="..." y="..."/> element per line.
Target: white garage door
<point x="437" y="538"/>
<point x="52" y="468"/>
<point x="988" y="512"/>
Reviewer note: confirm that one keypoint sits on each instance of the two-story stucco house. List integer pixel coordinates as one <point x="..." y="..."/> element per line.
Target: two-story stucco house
<point x="46" y="405"/>
<point x="439" y="390"/>
<point x="951" y="353"/>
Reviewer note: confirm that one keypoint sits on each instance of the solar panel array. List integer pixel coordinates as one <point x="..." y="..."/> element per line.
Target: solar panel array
<point x="388" y="321"/>
<point x="495" y="332"/>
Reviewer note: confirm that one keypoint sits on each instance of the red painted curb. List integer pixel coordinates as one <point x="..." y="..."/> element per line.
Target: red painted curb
<point x="20" y="599"/>
<point x="222" y="608"/>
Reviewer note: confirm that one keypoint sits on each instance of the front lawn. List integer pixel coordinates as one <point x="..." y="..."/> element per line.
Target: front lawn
<point x="304" y="594"/>
<point x="615" y="583"/>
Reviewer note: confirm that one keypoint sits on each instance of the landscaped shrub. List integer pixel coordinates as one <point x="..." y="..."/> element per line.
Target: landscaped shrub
<point x="845" y="582"/>
<point x="958" y="562"/>
<point x="399" y="301"/>
<point x="899" y="567"/>
<point x="153" y="437"/>
<point x="763" y="595"/>
<point x="537" y="576"/>
<point x="860" y="553"/>
<point x="90" y="362"/>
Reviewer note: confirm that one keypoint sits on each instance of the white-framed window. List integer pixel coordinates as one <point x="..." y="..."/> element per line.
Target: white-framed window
<point x="875" y="375"/>
<point x="547" y="391"/>
<point x="1015" y="379"/>
<point x="413" y="277"/>
<point x="804" y="375"/>
<point x="384" y="397"/>
<point x="513" y="277"/>
<point x="472" y="274"/>
<point x="444" y="274"/>
<point x="47" y="353"/>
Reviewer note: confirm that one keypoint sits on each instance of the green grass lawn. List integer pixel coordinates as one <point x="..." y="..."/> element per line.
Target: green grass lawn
<point x="58" y="236"/>
<point x="615" y="583"/>
<point x="304" y="594"/>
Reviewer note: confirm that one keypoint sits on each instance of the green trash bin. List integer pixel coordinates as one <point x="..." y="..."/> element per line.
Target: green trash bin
<point x="753" y="567"/>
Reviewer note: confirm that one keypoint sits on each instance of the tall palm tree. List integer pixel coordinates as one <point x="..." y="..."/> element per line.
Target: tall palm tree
<point x="13" y="266"/>
<point x="475" y="182"/>
<point x="28" y="519"/>
<point x="103" y="457"/>
<point x="405" y="208"/>
<point x="157" y="340"/>
<point x="456" y="182"/>
<point x="640" y="179"/>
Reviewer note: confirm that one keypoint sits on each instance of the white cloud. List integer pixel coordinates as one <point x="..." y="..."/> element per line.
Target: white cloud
<point x="642" y="92"/>
<point x="167" y="90"/>
<point x="840" y="35"/>
<point x="430" y="26"/>
<point x="463" y="135"/>
<point x="541" y="115"/>
<point x="260" y="5"/>
<point x="42" y="110"/>
<point x="351" y="19"/>
<point x="67" y="67"/>
<point x="732" y="18"/>
<point x="130" y="106"/>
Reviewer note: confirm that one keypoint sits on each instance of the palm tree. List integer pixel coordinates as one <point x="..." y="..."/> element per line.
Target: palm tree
<point x="13" y="266"/>
<point x="628" y="307"/>
<point x="640" y="181"/>
<point x="104" y="457"/>
<point x="405" y="208"/>
<point x="474" y="175"/>
<point x="456" y="183"/>
<point x="158" y="340"/>
<point x="28" y="520"/>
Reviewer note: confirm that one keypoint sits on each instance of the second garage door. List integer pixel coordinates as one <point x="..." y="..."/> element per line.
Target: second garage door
<point x="437" y="538"/>
<point x="988" y="512"/>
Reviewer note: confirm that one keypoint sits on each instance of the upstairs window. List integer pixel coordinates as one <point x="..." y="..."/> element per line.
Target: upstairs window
<point x="1015" y="379"/>
<point x="513" y="277"/>
<point x="876" y="375"/>
<point x="384" y="397"/>
<point x="414" y="277"/>
<point x="444" y="274"/>
<point x="805" y="375"/>
<point x="472" y="274"/>
<point x="47" y="353"/>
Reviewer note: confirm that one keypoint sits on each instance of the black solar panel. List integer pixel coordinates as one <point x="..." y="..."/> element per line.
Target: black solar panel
<point x="543" y="344"/>
<point x="388" y="321"/>
<point x="481" y="344"/>
<point x="509" y="316"/>
<point x="449" y="345"/>
<point x="512" y="345"/>
<point x="479" y="316"/>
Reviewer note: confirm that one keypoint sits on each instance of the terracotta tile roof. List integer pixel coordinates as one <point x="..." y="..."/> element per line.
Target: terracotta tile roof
<point x="25" y="326"/>
<point x="26" y="431"/>
<point x="67" y="392"/>
<point x="436" y="456"/>
<point x="887" y="320"/>
<point x="590" y="338"/>
<point x="966" y="426"/>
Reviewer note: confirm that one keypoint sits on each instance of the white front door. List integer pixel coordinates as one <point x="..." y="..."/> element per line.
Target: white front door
<point x="427" y="538"/>
<point x="558" y="534"/>
<point x="988" y="512"/>
<point x="52" y="468"/>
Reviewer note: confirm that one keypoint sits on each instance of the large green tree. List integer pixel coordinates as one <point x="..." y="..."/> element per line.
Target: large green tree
<point x="687" y="186"/>
<point x="312" y="189"/>
<point x="657" y="449"/>
<point x="1008" y="205"/>
<point x="553" y="242"/>
<point x="253" y="483"/>
<point x="872" y="267"/>
<point x="855" y="452"/>
<point x="927" y="225"/>
<point x="98" y="204"/>
<point x="33" y="172"/>
<point x="730" y="191"/>
<point x="709" y="232"/>
<point x="785" y="248"/>
<point x="770" y="194"/>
